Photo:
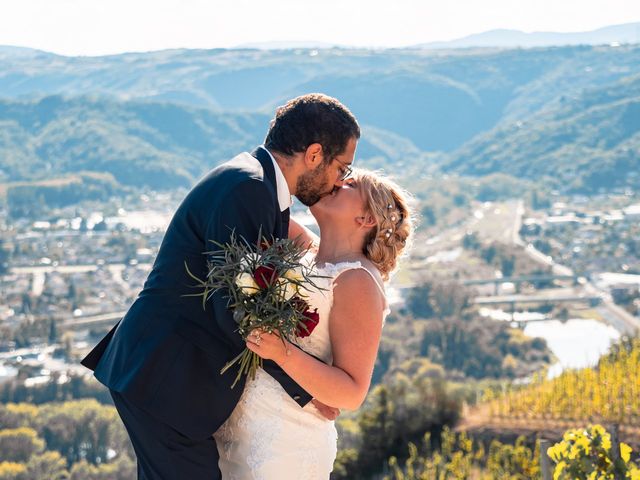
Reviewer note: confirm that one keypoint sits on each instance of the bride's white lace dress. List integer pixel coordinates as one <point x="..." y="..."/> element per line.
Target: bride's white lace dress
<point x="268" y="436"/>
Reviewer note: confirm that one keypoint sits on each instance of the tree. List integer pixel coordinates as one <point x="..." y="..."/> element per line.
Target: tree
<point x="72" y="292"/>
<point x="428" y="215"/>
<point x="508" y="265"/>
<point x="80" y="430"/>
<point x="49" y="466"/>
<point x="346" y="462"/>
<point x="449" y="299"/>
<point x="13" y="471"/>
<point x="19" y="444"/>
<point x="489" y="253"/>
<point x="538" y="202"/>
<point x="27" y="305"/>
<point x="5" y="252"/>
<point x="459" y="200"/>
<point x="444" y="301"/>
<point x="419" y="301"/>
<point x="53" y="331"/>
<point x="470" y="241"/>
<point x="376" y="426"/>
<point x="67" y="344"/>
<point x="122" y="469"/>
<point x="17" y="415"/>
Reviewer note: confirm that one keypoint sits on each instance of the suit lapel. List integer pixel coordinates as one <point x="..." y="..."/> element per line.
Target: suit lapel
<point x="282" y="227"/>
<point x="285" y="223"/>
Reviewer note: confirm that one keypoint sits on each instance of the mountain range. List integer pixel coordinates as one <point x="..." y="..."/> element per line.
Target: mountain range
<point x="163" y="118"/>
<point x="615" y="34"/>
<point x="627" y="33"/>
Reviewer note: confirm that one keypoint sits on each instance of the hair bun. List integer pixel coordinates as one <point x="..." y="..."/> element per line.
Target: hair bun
<point x="388" y="203"/>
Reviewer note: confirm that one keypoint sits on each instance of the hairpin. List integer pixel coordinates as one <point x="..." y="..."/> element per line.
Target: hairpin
<point x="389" y="232"/>
<point x="389" y="207"/>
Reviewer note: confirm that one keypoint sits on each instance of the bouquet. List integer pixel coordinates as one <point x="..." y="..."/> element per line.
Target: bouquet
<point x="267" y="287"/>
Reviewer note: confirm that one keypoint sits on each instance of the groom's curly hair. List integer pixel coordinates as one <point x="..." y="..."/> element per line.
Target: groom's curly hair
<point x="312" y="118"/>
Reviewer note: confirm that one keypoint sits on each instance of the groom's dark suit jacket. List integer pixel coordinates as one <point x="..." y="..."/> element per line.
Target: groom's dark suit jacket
<point x="165" y="355"/>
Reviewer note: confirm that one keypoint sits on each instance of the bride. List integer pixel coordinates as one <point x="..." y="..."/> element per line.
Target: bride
<point x="364" y="227"/>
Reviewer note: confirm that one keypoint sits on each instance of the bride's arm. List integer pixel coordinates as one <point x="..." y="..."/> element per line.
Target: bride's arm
<point x="355" y="326"/>
<point x="306" y="237"/>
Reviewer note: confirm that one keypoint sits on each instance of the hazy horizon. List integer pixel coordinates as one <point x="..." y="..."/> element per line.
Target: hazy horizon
<point x="87" y="27"/>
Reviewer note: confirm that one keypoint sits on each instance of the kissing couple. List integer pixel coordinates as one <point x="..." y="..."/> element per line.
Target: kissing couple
<point x="162" y="361"/>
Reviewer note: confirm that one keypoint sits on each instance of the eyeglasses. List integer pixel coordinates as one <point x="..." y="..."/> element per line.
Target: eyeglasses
<point x="345" y="171"/>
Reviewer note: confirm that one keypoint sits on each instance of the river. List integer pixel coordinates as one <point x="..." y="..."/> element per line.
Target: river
<point x="576" y="343"/>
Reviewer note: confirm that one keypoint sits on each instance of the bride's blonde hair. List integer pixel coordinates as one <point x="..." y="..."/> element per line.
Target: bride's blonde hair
<point x="387" y="202"/>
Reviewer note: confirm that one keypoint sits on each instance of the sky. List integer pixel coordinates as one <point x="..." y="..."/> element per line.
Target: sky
<point x="98" y="27"/>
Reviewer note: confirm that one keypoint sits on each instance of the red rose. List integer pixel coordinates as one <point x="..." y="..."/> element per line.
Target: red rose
<point x="311" y="319"/>
<point x="265" y="276"/>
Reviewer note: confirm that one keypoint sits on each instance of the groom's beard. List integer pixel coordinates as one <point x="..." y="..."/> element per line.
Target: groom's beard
<point x="312" y="186"/>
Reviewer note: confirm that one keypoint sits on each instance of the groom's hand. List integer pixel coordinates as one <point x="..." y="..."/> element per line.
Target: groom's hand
<point x="328" y="412"/>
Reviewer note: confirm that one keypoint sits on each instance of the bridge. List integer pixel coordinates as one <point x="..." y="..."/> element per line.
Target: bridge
<point x="593" y="299"/>
<point x="518" y="281"/>
<point x="562" y="296"/>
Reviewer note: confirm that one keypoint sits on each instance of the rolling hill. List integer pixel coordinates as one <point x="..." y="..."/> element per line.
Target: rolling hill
<point x="143" y="143"/>
<point x="582" y="144"/>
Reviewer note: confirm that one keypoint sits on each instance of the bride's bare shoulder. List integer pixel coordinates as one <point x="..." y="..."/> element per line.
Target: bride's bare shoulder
<point x="371" y="268"/>
<point x="363" y="280"/>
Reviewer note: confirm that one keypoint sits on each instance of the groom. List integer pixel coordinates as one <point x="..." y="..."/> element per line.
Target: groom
<point x="162" y="361"/>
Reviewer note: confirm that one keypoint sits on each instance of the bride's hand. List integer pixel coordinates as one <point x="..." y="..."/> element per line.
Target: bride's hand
<point x="330" y="413"/>
<point x="268" y="346"/>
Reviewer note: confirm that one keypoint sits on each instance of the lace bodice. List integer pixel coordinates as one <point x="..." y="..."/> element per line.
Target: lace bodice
<point x="268" y="436"/>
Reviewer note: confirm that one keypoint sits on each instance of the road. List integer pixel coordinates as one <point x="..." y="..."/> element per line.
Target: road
<point x="68" y="269"/>
<point x="79" y="323"/>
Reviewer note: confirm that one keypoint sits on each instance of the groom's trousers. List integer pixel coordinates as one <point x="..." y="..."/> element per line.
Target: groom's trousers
<point x="164" y="453"/>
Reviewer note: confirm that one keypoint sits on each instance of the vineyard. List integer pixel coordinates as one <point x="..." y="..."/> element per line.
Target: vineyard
<point x="608" y="393"/>
<point x="459" y="457"/>
<point x="582" y="454"/>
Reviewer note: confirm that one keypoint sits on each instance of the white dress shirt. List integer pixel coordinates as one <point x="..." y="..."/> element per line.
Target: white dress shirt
<point x="284" y="195"/>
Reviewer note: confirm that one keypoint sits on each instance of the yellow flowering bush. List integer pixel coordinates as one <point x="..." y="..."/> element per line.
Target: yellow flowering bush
<point x="586" y="454"/>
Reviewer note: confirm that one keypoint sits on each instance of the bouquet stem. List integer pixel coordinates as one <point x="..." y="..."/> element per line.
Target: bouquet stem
<point x="249" y="364"/>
